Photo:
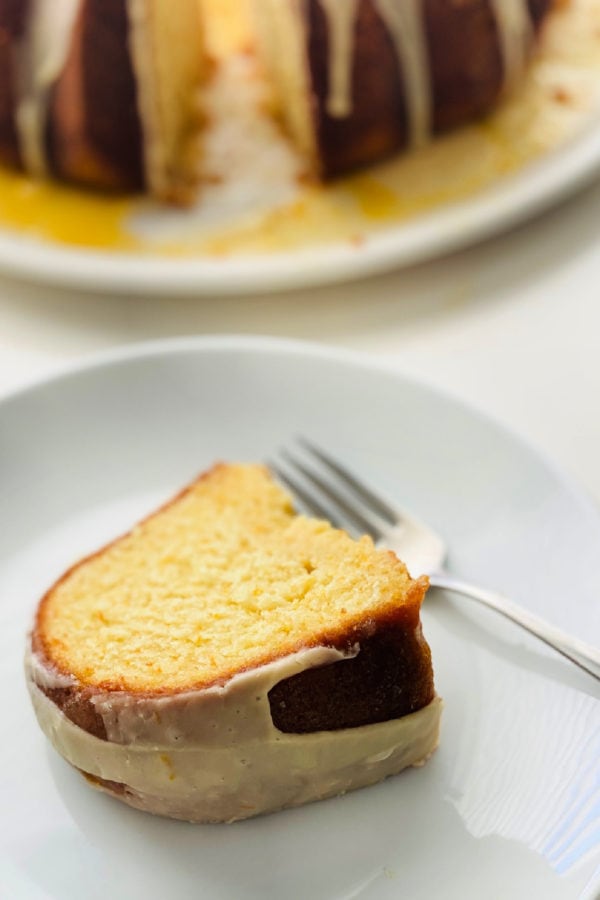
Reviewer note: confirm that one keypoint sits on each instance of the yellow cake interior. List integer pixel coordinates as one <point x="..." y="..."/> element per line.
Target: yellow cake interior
<point x="225" y="577"/>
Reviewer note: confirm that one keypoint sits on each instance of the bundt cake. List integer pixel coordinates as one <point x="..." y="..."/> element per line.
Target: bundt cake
<point x="359" y="80"/>
<point x="228" y="657"/>
<point x="103" y="93"/>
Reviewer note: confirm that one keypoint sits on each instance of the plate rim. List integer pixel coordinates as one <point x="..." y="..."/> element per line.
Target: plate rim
<point x="263" y="344"/>
<point x="511" y="201"/>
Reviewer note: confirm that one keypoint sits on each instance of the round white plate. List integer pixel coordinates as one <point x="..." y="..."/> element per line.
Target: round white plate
<point x="508" y="807"/>
<point x="512" y="201"/>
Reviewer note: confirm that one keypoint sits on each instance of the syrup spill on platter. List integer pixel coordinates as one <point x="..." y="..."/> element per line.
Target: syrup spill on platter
<point x="257" y="200"/>
<point x="43" y="209"/>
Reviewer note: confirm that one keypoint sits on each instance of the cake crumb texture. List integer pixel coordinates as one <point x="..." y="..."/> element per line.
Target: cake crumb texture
<point x="223" y="579"/>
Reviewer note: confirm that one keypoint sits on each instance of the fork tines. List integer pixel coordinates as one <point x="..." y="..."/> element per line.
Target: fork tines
<point x="327" y="489"/>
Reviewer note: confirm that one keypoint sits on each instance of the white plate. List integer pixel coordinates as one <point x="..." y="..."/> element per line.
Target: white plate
<point x="513" y="200"/>
<point x="509" y="806"/>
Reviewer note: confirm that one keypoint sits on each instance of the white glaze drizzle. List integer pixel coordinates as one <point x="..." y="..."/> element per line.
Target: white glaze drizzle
<point x="515" y="32"/>
<point x="341" y="21"/>
<point x="405" y="25"/>
<point x="404" y="22"/>
<point x="42" y="56"/>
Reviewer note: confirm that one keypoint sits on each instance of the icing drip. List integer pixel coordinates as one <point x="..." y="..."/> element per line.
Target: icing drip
<point x="405" y="25"/>
<point x="341" y="19"/>
<point x="42" y="57"/>
<point x="515" y="30"/>
<point x="214" y="755"/>
<point x="404" y="21"/>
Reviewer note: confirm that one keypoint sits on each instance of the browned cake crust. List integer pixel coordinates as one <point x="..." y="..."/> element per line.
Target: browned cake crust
<point x="13" y="18"/>
<point x="466" y="71"/>
<point x="94" y="132"/>
<point x="390" y="677"/>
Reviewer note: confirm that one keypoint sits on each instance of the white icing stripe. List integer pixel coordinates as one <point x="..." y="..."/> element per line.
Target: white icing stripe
<point x="223" y="783"/>
<point x="515" y="30"/>
<point x="405" y="24"/>
<point x="42" y="57"/>
<point x="215" y="754"/>
<point x="341" y="20"/>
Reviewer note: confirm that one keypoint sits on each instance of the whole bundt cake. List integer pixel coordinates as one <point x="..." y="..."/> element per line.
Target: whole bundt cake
<point x="106" y="93"/>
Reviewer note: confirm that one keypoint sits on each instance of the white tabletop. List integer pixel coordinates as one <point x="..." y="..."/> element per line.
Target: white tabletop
<point x="512" y="326"/>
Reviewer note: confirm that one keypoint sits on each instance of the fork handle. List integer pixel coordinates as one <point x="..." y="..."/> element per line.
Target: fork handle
<point x="583" y="655"/>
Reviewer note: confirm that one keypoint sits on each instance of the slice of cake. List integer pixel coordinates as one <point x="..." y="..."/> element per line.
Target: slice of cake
<point x="358" y="80"/>
<point x="228" y="657"/>
<point x="103" y="93"/>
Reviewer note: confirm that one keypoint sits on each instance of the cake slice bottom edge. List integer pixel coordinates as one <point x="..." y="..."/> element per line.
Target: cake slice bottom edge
<point x="211" y="784"/>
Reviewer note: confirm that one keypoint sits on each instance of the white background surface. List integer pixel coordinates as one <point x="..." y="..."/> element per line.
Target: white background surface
<point x="512" y="325"/>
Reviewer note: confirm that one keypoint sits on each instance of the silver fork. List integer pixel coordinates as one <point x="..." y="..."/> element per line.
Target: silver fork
<point x="329" y="490"/>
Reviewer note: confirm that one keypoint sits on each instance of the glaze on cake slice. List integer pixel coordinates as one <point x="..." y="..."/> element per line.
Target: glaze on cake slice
<point x="228" y="657"/>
